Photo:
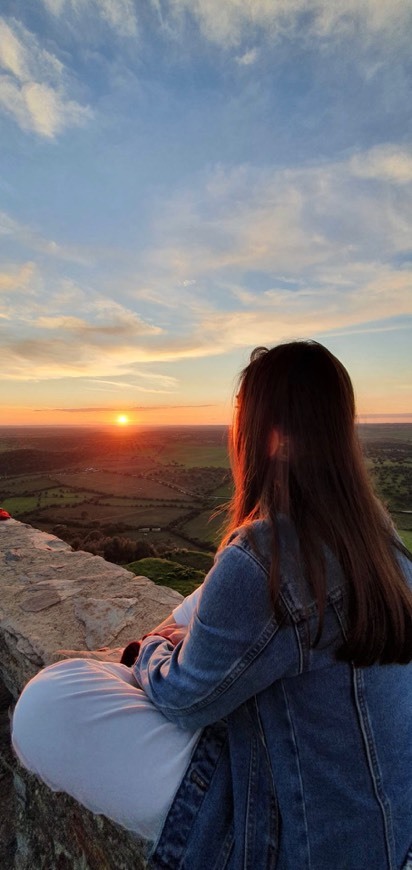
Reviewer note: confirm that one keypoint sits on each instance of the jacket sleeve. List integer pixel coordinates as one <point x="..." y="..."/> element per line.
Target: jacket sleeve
<point x="234" y="647"/>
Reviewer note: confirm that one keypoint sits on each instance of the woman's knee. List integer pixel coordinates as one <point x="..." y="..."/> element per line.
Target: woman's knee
<point x="41" y="714"/>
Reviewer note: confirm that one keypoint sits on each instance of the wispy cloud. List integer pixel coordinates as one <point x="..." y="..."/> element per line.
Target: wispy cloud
<point x="248" y="57"/>
<point x="114" y="387"/>
<point x="33" y="88"/>
<point x="17" y="278"/>
<point x="287" y="220"/>
<point x="384" y="163"/>
<point x="164" y="380"/>
<point x="119" y="15"/>
<point x="116" y="408"/>
<point x="228" y="22"/>
<point x="35" y="241"/>
<point x="123" y="325"/>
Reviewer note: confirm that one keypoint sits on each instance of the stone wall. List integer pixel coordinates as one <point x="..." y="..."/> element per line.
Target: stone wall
<point x="57" y="603"/>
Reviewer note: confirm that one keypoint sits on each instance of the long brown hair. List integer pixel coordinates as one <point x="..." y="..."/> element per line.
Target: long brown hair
<point x="316" y="475"/>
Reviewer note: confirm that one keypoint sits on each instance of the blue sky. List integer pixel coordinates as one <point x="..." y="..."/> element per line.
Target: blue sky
<point x="184" y="179"/>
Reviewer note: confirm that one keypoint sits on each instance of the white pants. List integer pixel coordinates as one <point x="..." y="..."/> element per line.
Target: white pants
<point x="86" y="728"/>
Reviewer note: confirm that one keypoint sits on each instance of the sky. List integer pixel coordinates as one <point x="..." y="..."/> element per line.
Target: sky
<point x="182" y="180"/>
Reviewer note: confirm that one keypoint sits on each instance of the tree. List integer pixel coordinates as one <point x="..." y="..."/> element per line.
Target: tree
<point x="94" y="535"/>
<point x="119" y="550"/>
<point x="143" y="549"/>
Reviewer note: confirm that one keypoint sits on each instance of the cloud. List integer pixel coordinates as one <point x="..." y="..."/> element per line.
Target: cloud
<point x="119" y="15"/>
<point x="122" y="325"/>
<point x="244" y="329"/>
<point x="107" y="341"/>
<point x="18" y="278"/>
<point x="114" y="409"/>
<point x="35" y="241"/>
<point x="23" y="57"/>
<point x="248" y="58"/>
<point x="288" y="221"/>
<point x="166" y="381"/>
<point x="33" y="88"/>
<point x="384" y="163"/>
<point x="229" y="22"/>
<point x="122" y="386"/>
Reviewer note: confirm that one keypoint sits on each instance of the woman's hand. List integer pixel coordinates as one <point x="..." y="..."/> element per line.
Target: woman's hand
<point x="173" y="633"/>
<point x="131" y="651"/>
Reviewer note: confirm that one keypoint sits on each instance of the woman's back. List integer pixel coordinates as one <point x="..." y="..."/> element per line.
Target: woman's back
<point x="323" y="749"/>
<point x="340" y="745"/>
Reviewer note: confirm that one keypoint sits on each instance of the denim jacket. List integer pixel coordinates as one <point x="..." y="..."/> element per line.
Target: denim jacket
<point x="305" y="762"/>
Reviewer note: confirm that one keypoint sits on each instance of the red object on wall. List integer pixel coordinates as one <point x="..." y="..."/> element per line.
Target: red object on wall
<point x="4" y="515"/>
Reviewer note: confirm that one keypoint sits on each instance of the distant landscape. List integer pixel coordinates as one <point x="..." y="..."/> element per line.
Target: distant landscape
<point x="155" y="499"/>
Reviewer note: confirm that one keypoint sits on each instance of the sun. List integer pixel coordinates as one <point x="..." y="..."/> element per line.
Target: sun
<point x="122" y="420"/>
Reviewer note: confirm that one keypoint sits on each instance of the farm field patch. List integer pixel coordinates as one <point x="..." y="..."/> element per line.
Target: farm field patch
<point x="136" y="516"/>
<point x="223" y="492"/>
<point x="119" y="484"/>
<point x="27" y="484"/>
<point x="165" y="572"/>
<point x="193" y="559"/>
<point x="205" y="528"/>
<point x="385" y="432"/>
<point x="402" y="520"/>
<point x="17" y="505"/>
<point x="196" y="456"/>
<point x="406" y="536"/>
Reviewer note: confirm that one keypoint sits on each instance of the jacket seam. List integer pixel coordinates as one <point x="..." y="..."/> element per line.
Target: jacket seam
<point x="250" y="816"/>
<point x="373" y="764"/>
<point x="275" y="829"/>
<point x="340" y="620"/>
<point x="241" y="546"/>
<point x="299" y="772"/>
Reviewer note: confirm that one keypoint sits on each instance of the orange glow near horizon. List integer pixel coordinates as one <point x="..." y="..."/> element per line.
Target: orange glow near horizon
<point x="122" y="420"/>
<point x="217" y="415"/>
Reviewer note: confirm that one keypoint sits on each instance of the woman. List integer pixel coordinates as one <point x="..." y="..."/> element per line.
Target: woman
<point x="290" y="690"/>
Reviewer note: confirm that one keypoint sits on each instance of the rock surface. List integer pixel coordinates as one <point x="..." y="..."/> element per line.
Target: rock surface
<point x="53" y="598"/>
<point x="58" y="603"/>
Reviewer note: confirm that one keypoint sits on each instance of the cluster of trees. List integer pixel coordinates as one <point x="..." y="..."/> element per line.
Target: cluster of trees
<point x="113" y="548"/>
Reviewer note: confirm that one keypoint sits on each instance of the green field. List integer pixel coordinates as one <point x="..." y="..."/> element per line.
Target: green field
<point x="27" y="484"/>
<point x="112" y="484"/>
<point x="406" y="536"/>
<point x="196" y="456"/>
<point x="164" y="572"/>
<point x="223" y="492"/>
<point x="204" y="528"/>
<point x="385" y="432"/>
<point x="193" y="559"/>
<point x="23" y="504"/>
<point x="122" y="501"/>
<point x="136" y="515"/>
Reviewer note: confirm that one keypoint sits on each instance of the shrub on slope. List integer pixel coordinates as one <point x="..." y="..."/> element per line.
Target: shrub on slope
<point x="164" y="572"/>
<point x="191" y="558"/>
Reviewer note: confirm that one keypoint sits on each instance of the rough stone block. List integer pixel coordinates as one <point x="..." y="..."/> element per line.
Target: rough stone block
<point x="57" y="603"/>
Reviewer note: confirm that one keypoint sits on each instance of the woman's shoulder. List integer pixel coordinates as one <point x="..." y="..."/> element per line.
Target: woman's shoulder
<point x="258" y="540"/>
<point x="255" y="539"/>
